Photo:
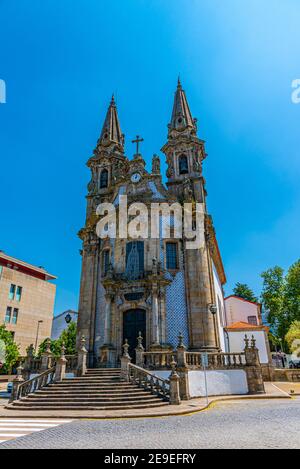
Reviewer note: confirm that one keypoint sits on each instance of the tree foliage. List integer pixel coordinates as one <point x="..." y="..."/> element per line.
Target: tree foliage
<point x="293" y="336"/>
<point x="12" y="353"/>
<point x="68" y="337"/>
<point x="243" y="291"/>
<point x="281" y="298"/>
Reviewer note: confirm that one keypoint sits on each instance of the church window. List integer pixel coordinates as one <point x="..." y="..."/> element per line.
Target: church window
<point x="134" y="259"/>
<point x="104" y="179"/>
<point x="105" y="261"/>
<point x="183" y="164"/>
<point x="252" y="320"/>
<point x="172" y="256"/>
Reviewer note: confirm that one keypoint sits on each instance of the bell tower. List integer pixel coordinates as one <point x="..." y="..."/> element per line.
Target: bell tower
<point x="107" y="166"/>
<point x="185" y="152"/>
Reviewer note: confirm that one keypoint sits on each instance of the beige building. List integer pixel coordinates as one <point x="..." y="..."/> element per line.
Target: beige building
<point x="156" y="286"/>
<point x="26" y="301"/>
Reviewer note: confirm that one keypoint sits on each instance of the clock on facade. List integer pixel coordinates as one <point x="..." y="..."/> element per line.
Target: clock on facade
<point x="136" y="177"/>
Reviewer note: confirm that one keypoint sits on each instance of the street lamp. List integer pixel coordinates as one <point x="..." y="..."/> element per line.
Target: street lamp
<point x="37" y="334"/>
<point x="213" y="310"/>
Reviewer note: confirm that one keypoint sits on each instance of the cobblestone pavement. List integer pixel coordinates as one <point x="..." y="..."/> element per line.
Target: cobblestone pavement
<point x="252" y="424"/>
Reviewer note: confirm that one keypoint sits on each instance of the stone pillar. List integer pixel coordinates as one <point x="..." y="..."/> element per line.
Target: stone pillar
<point x="16" y="384"/>
<point x="46" y="357"/>
<point x="88" y="287"/>
<point x="107" y="320"/>
<point x="82" y="358"/>
<point x="174" y="385"/>
<point x="253" y="368"/>
<point x="60" y="371"/>
<point x="199" y="291"/>
<point x="139" y="352"/>
<point x="125" y="360"/>
<point x="182" y="370"/>
<point x="28" y="362"/>
<point x="155" y="322"/>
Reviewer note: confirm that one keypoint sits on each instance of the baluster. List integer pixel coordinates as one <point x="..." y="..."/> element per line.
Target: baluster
<point x="234" y="360"/>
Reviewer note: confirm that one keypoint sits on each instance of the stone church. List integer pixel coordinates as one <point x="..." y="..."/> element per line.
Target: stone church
<point x="153" y="286"/>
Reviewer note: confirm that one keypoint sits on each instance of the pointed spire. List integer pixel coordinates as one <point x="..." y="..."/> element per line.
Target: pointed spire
<point x="111" y="131"/>
<point x="181" y="115"/>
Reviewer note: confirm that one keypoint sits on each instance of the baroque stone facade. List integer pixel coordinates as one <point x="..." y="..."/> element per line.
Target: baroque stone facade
<point x="154" y="285"/>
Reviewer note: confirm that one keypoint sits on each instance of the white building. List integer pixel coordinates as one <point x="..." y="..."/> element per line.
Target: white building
<point x="61" y="322"/>
<point x="243" y="317"/>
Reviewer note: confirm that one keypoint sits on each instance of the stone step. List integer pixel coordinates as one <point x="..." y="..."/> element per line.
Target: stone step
<point x="97" y="392"/>
<point x="105" y="386"/>
<point x="89" y="406"/>
<point x="93" y="380"/>
<point x="102" y="400"/>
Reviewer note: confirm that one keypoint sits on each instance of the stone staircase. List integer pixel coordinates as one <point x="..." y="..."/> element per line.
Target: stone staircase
<point x="98" y="389"/>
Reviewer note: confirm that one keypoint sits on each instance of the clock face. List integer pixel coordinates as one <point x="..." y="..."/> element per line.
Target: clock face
<point x="136" y="177"/>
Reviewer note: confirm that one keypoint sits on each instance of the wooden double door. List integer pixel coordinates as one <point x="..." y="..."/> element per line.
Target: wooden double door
<point x="134" y="321"/>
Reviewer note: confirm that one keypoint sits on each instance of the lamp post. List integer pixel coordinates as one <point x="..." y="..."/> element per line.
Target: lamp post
<point x="37" y="334"/>
<point x="213" y="309"/>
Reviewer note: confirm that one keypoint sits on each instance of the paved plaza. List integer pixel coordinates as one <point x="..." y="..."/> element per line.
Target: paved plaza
<point x="271" y="423"/>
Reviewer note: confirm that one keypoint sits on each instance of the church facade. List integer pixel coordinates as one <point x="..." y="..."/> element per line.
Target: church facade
<point x="154" y="286"/>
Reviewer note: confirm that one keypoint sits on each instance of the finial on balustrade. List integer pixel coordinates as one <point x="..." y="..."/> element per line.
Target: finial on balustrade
<point x="140" y="341"/>
<point x="62" y="350"/>
<point x="30" y="351"/>
<point x="180" y="341"/>
<point x="247" y="341"/>
<point x="48" y="345"/>
<point x="126" y="348"/>
<point x="82" y="344"/>
<point x="173" y="365"/>
<point x="253" y="342"/>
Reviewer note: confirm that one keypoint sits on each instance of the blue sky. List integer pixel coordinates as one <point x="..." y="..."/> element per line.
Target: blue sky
<point x="61" y="61"/>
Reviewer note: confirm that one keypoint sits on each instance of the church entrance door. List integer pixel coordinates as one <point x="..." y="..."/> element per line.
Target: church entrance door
<point x="134" y="321"/>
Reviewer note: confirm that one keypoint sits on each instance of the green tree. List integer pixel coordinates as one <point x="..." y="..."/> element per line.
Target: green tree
<point x="293" y="336"/>
<point x="273" y="299"/>
<point x="281" y="298"/>
<point x="68" y="337"/>
<point x="12" y="353"/>
<point x="243" y="291"/>
<point x="292" y="293"/>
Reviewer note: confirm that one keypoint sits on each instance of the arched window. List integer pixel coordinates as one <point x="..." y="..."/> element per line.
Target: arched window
<point x="183" y="164"/>
<point x="105" y="261"/>
<point x="135" y="259"/>
<point x="104" y="179"/>
<point x="172" y="256"/>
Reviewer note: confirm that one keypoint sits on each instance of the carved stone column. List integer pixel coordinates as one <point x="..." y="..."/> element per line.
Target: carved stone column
<point x="174" y="385"/>
<point x="16" y="384"/>
<point x="182" y="370"/>
<point x="253" y="368"/>
<point x="155" y="316"/>
<point x="60" y="371"/>
<point x="82" y="358"/>
<point x="46" y="356"/>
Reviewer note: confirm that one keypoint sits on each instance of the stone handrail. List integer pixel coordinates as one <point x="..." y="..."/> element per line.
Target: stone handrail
<point x="216" y="360"/>
<point x="150" y="382"/>
<point x="157" y="360"/>
<point x="30" y="386"/>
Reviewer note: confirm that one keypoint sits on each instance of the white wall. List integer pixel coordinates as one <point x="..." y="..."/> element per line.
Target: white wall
<point x="237" y="343"/>
<point x="219" y="383"/>
<point x="238" y="310"/>
<point x="221" y="309"/>
<point x="59" y="323"/>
